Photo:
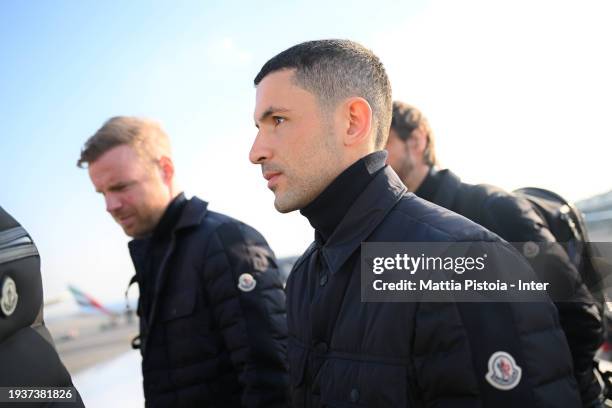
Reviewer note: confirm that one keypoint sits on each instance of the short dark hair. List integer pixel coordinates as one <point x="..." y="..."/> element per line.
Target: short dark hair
<point x="337" y="69"/>
<point x="406" y="119"/>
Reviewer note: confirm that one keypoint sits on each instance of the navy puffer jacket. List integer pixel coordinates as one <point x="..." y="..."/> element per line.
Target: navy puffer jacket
<point x="205" y="342"/>
<point x="347" y="353"/>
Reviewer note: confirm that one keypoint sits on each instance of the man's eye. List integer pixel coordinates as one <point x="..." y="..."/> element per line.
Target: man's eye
<point x="278" y="120"/>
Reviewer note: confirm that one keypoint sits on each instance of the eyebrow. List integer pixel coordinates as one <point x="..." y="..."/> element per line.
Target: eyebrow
<point x="269" y="112"/>
<point x="117" y="185"/>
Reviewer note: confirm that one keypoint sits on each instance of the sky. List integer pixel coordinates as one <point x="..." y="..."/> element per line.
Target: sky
<point x="518" y="94"/>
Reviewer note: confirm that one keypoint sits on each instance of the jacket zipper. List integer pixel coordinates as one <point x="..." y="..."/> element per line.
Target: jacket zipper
<point x="15" y="244"/>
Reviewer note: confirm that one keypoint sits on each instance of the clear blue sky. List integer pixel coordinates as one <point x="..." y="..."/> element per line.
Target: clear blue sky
<point x="506" y="87"/>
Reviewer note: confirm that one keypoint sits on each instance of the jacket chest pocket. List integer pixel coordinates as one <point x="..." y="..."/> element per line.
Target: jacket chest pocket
<point x="179" y="305"/>
<point x="351" y="383"/>
<point x="178" y="315"/>
<point x="187" y="337"/>
<point x="186" y="323"/>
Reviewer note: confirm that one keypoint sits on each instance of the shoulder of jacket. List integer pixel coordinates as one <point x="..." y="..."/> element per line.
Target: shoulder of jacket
<point x="230" y="229"/>
<point x="443" y="223"/>
<point x="500" y="203"/>
<point x="481" y="192"/>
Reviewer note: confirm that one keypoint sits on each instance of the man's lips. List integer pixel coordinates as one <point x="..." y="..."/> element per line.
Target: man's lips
<point x="272" y="177"/>
<point x="124" y="219"/>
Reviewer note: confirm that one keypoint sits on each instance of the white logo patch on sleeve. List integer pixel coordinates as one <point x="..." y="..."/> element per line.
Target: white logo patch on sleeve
<point x="246" y="282"/>
<point x="504" y="373"/>
<point x="8" y="297"/>
<point x="531" y="249"/>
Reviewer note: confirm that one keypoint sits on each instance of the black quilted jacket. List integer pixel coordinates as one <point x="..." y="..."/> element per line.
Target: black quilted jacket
<point x="27" y="354"/>
<point x="205" y="342"/>
<point x="515" y="220"/>
<point x="347" y="353"/>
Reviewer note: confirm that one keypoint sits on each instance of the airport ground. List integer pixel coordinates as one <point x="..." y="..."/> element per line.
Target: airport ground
<point x="84" y="341"/>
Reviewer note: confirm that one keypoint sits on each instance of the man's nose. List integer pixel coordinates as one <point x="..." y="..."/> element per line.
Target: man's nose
<point x="113" y="203"/>
<point x="260" y="151"/>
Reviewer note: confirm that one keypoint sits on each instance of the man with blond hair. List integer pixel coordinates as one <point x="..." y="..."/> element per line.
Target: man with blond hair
<point x="211" y="305"/>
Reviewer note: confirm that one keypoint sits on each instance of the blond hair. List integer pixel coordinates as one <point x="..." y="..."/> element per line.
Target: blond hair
<point x="145" y="136"/>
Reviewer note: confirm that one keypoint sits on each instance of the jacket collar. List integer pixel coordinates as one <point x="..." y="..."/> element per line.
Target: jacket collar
<point x="194" y="212"/>
<point x="362" y="218"/>
<point x="327" y="210"/>
<point x="192" y="215"/>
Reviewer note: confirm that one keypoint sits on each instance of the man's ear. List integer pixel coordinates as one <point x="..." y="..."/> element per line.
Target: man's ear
<point x="359" y="115"/>
<point x="166" y="167"/>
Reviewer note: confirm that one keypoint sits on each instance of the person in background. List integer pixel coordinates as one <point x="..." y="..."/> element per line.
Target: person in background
<point x="412" y="154"/>
<point x="212" y="308"/>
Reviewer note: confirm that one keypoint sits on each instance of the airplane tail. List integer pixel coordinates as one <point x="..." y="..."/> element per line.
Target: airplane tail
<point x="86" y="301"/>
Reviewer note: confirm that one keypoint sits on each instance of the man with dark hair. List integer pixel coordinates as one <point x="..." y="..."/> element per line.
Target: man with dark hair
<point x="412" y="156"/>
<point x="323" y="110"/>
<point x="212" y="307"/>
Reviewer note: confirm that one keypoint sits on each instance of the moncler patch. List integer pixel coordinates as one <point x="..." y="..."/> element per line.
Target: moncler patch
<point x="504" y="373"/>
<point x="246" y="282"/>
<point x="531" y="249"/>
<point x="8" y="297"/>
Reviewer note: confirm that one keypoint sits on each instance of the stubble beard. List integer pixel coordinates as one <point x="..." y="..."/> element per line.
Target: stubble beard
<point x="298" y="197"/>
<point x="406" y="168"/>
<point x="144" y="223"/>
<point x="314" y="179"/>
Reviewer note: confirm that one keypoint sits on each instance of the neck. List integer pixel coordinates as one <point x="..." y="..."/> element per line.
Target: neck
<point x="327" y="210"/>
<point x="174" y="191"/>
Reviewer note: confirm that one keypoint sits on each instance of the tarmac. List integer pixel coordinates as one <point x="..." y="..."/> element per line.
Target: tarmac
<point x="84" y="341"/>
